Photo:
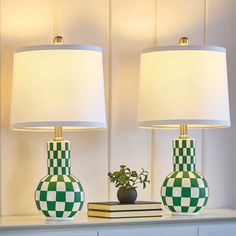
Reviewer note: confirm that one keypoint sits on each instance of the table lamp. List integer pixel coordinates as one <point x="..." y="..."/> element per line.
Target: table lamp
<point x="57" y="87"/>
<point x="184" y="87"/>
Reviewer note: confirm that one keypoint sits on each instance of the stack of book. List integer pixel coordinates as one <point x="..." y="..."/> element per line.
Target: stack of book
<point x="121" y="210"/>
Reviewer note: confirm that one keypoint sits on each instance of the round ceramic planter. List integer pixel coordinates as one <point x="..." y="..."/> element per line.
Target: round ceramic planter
<point x="127" y="195"/>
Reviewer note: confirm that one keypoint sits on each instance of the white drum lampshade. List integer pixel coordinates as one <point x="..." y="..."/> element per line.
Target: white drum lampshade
<point x="58" y="85"/>
<point x="183" y="85"/>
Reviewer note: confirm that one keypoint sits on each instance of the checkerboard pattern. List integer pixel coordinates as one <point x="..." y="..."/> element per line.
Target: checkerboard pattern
<point x="58" y="158"/>
<point x="184" y="154"/>
<point x="184" y="190"/>
<point x="59" y="195"/>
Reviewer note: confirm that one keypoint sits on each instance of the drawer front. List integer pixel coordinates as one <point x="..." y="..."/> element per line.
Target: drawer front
<point x="225" y="229"/>
<point x="152" y="231"/>
<point x="49" y="232"/>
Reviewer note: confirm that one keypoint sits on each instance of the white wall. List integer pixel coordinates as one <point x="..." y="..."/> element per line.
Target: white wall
<point x="123" y="28"/>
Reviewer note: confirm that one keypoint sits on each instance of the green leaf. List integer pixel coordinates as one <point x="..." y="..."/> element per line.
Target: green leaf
<point x="134" y="174"/>
<point x="126" y="178"/>
<point x="144" y="185"/>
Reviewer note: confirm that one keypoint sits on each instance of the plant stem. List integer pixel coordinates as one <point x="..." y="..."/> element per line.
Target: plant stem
<point x="134" y="183"/>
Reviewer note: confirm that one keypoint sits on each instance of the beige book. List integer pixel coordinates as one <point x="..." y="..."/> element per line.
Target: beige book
<point x="116" y="206"/>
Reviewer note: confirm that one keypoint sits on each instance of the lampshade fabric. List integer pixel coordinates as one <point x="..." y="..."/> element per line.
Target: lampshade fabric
<point x="183" y="85"/>
<point x="58" y="85"/>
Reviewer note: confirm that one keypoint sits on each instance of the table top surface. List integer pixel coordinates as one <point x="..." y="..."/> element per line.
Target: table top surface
<point x="81" y="220"/>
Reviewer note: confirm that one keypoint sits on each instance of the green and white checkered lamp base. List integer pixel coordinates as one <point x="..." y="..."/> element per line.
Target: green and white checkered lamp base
<point x="184" y="191"/>
<point x="59" y="195"/>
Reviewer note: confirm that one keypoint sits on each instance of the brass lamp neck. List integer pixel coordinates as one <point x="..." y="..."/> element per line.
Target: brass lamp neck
<point x="183" y="127"/>
<point x="183" y="131"/>
<point x="58" y="133"/>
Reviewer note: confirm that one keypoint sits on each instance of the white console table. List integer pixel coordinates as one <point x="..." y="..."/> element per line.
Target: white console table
<point x="221" y="222"/>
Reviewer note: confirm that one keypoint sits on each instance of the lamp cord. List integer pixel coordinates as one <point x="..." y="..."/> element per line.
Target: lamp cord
<point x="203" y="166"/>
<point x="153" y="133"/>
<point x="205" y="21"/>
<point x="155" y="25"/>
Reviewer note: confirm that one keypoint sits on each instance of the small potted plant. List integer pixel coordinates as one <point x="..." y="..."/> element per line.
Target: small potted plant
<point x="127" y="180"/>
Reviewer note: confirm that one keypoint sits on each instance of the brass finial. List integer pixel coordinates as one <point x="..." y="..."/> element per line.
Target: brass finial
<point x="183" y="41"/>
<point x="58" y="40"/>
